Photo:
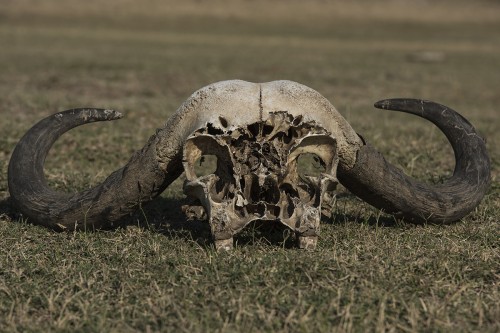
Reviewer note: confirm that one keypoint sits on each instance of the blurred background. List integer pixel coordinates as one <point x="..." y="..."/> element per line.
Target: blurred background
<point x="145" y="58"/>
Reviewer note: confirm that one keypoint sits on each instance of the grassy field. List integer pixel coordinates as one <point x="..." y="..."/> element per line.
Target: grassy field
<point x="159" y="272"/>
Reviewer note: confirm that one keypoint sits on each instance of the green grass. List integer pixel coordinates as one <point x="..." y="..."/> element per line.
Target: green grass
<point x="159" y="272"/>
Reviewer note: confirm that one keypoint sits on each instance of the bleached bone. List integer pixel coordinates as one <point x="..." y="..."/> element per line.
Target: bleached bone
<point x="257" y="177"/>
<point x="262" y="115"/>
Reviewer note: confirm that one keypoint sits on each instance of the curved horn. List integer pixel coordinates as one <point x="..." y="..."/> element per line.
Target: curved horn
<point x="386" y="187"/>
<point x="148" y="172"/>
<point x="138" y="181"/>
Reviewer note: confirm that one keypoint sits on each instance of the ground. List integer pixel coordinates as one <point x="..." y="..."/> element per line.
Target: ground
<point x="159" y="272"/>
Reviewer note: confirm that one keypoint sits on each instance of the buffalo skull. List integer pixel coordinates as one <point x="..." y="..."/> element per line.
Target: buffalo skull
<point x="257" y="132"/>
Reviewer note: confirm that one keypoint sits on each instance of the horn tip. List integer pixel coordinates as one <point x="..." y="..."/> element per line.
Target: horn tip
<point x="402" y="104"/>
<point x="384" y="104"/>
<point x="112" y="114"/>
<point x="89" y="114"/>
<point x="101" y="114"/>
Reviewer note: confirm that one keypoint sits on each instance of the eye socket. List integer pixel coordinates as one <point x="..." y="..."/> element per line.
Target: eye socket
<point x="309" y="164"/>
<point x="205" y="165"/>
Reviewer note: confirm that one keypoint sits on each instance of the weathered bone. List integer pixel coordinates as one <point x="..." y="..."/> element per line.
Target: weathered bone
<point x="257" y="178"/>
<point x="257" y="131"/>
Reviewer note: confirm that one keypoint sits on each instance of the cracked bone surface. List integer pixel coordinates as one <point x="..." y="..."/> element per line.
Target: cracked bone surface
<point x="257" y="175"/>
<point x="257" y="132"/>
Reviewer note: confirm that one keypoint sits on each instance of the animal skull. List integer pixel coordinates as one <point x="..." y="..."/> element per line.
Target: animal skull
<point x="257" y="177"/>
<point x="257" y="132"/>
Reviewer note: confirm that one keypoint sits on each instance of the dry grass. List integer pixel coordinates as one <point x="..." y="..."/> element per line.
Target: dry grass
<point x="446" y="11"/>
<point x="160" y="273"/>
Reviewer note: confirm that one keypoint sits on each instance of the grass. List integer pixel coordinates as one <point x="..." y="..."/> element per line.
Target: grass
<point x="159" y="272"/>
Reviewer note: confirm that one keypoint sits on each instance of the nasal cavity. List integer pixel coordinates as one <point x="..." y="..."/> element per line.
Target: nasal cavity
<point x="268" y="192"/>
